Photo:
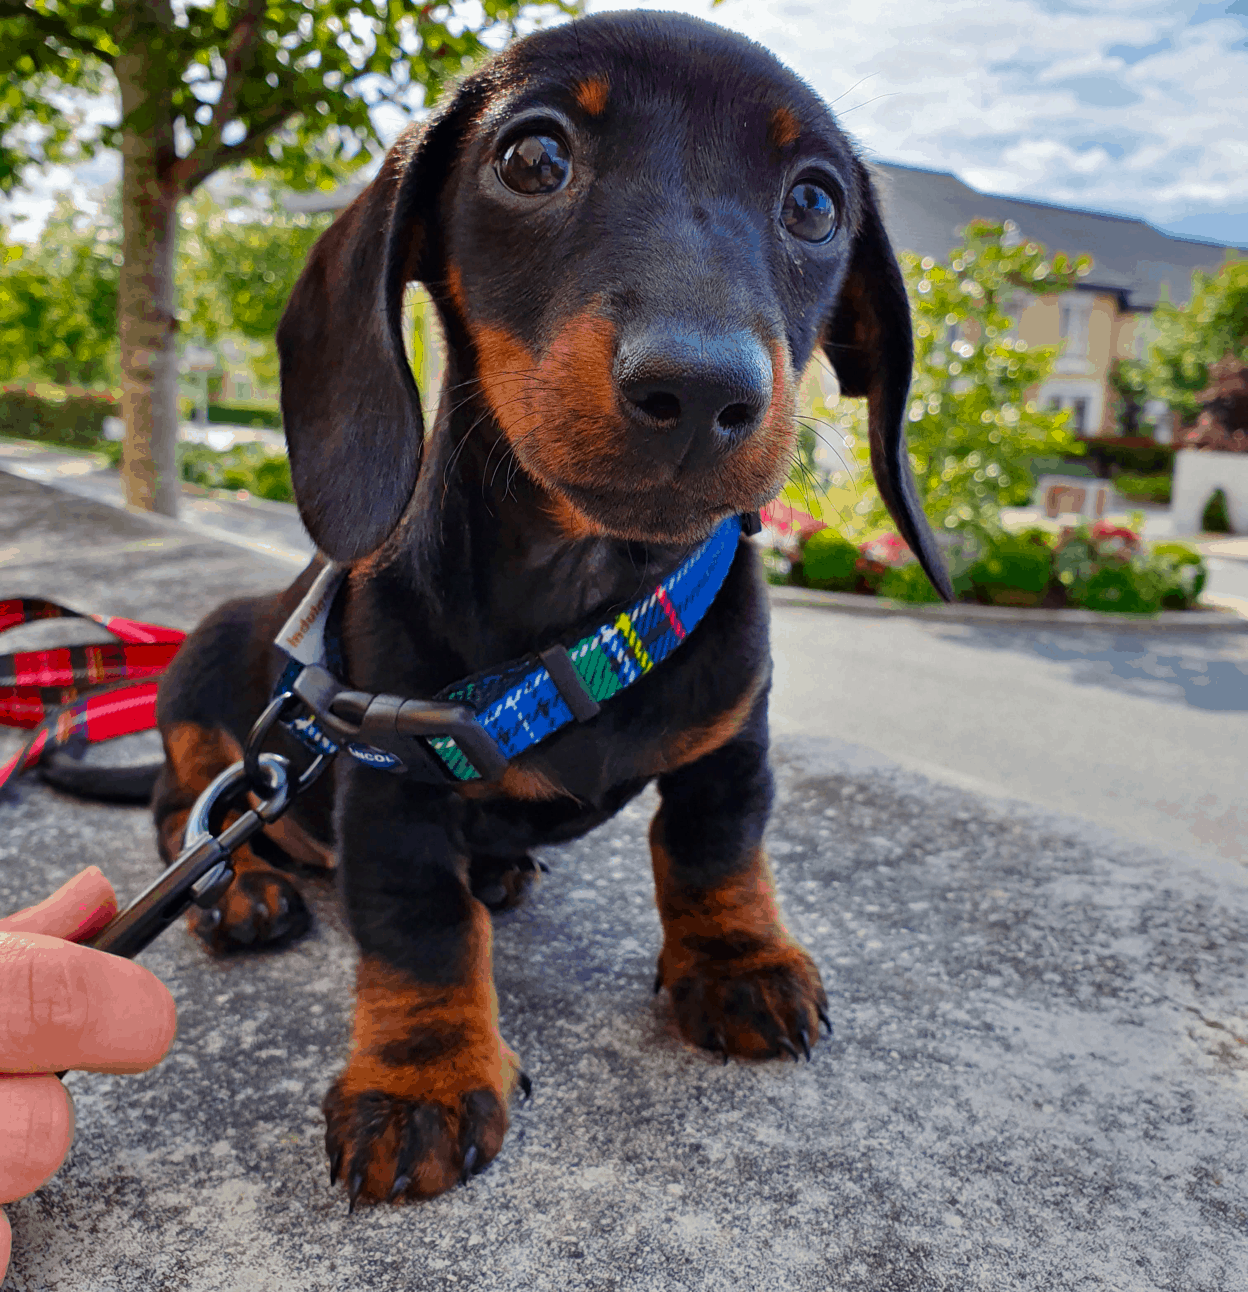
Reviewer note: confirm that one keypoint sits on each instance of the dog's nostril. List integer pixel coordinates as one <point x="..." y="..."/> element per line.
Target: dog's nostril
<point x="735" y="417"/>
<point x="661" y="406"/>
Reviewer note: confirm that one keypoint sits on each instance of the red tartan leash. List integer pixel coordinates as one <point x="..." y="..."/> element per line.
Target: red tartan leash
<point x="90" y="693"/>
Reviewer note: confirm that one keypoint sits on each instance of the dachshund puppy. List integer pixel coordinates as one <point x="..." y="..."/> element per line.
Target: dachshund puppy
<point x="636" y="229"/>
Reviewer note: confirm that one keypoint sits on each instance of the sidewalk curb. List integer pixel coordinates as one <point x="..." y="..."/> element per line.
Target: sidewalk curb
<point x="1228" y="620"/>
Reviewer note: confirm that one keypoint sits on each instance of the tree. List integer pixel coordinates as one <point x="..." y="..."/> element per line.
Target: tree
<point x="1193" y="337"/>
<point x="286" y="85"/>
<point x="58" y="300"/>
<point x="972" y="430"/>
<point x="237" y="263"/>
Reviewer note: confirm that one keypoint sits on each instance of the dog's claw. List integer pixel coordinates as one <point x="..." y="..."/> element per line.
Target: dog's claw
<point x="785" y="1044"/>
<point x="805" y="1040"/>
<point x="470" y="1159"/>
<point x="335" y="1165"/>
<point x="658" y="982"/>
<point x="522" y="1079"/>
<point x="543" y="867"/>
<point x="354" y="1186"/>
<point x="399" y="1187"/>
<point x="823" y="1018"/>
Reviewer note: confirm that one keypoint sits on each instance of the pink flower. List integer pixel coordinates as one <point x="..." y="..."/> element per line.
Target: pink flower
<point x="886" y="550"/>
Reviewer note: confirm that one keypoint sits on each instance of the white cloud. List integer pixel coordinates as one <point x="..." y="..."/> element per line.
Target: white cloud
<point x="1027" y="99"/>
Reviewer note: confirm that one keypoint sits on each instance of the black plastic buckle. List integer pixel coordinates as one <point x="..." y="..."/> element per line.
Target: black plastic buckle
<point x="751" y="523"/>
<point x="390" y="722"/>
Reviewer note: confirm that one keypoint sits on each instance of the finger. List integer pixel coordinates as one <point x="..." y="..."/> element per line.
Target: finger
<point x="36" y="1130"/>
<point x="78" y="910"/>
<point x="64" y="1006"/>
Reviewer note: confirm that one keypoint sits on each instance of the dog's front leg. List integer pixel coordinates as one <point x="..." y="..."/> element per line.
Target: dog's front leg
<point x="740" y="984"/>
<point x="422" y="1102"/>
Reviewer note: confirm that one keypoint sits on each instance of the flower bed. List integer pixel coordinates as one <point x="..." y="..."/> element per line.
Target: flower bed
<point x="1099" y="567"/>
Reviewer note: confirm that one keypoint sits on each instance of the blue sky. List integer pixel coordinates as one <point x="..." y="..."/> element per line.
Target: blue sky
<point x="1128" y="106"/>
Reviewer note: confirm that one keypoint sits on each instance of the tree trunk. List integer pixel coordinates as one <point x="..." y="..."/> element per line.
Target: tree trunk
<point x="145" y="298"/>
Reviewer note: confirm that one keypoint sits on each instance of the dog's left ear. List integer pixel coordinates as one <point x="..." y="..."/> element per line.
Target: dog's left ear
<point x="870" y="346"/>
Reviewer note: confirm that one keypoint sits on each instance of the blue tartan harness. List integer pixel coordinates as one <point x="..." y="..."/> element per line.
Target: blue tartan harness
<point x="472" y="728"/>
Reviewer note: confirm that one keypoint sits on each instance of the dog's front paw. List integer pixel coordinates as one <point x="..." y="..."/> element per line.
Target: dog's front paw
<point x="390" y="1146"/>
<point x="260" y="909"/>
<point x="422" y="1103"/>
<point x="749" y="997"/>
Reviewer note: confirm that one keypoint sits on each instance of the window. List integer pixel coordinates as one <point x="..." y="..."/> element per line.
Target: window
<point x="1079" y="415"/>
<point x="1073" y="313"/>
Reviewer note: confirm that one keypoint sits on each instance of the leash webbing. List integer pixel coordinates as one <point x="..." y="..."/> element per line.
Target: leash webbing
<point x="93" y="692"/>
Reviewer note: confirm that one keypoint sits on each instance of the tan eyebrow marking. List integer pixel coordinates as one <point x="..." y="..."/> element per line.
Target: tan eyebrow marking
<point x="591" y="94"/>
<point x="784" y="127"/>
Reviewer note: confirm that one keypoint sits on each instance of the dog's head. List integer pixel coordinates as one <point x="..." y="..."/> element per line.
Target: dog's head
<point x="637" y="228"/>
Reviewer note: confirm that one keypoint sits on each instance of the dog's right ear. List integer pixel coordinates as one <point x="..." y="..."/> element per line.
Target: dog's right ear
<point x="349" y="403"/>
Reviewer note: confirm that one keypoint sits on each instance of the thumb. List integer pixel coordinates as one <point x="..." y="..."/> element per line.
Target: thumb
<point x="78" y="910"/>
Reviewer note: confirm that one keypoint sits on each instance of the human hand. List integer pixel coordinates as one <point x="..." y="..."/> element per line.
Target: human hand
<point x="65" y="1006"/>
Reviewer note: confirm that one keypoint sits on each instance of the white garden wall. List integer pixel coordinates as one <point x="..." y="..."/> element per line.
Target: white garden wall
<point x="1197" y="473"/>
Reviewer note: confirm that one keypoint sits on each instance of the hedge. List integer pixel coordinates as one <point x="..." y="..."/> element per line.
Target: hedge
<point x="246" y="412"/>
<point x="56" y="414"/>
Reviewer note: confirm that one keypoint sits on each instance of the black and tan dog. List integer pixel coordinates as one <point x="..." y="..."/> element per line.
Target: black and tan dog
<point x="637" y="228"/>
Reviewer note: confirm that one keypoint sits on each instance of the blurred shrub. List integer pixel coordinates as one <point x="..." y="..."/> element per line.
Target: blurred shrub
<point x="246" y="412"/>
<point x="246" y="466"/>
<point x="829" y="561"/>
<point x="1147" y="488"/>
<point x="56" y="414"/>
<point x="1215" y="519"/>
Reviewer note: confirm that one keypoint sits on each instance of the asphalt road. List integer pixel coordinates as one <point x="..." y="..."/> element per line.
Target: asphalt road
<point x="1039" y="1078"/>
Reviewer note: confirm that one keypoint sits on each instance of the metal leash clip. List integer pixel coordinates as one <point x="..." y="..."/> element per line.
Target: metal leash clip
<point x="202" y="871"/>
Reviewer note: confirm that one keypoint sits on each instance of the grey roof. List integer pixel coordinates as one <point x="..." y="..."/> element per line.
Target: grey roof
<point x="923" y="209"/>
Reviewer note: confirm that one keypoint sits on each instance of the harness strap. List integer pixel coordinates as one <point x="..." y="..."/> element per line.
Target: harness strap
<point x="522" y="702"/>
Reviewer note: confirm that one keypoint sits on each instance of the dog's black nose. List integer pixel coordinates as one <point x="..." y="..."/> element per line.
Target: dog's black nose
<point x="690" y="386"/>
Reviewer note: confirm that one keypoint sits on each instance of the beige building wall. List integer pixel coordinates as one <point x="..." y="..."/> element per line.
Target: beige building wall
<point x="1092" y="332"/>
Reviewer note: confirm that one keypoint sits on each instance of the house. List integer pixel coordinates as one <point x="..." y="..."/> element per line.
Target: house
<point x="1105" y="317"/>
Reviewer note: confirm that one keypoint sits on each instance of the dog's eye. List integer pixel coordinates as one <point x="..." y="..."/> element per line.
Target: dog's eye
<point x="809" y="212"/>
<point x="536" y="164"/>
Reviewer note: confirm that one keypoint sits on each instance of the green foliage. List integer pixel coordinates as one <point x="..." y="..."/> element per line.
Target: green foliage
<point x="246" y="466"/>
<point x="1100" y="567"/>
<point x="58" y="300"/>
<point x="1193" y="336"/>
<point x="1128" y="386"/>
<point x="830" y="561"/>
<point x="1183" y="573"/>
<point x="246" y="412"/>
<point x="907" y="583"/>
<point x="971" y="429"/>
<point x="1152" y="488"/>
<point x="1108" y="569"/>
<point x="1139" y="456"/>
<point x="1215" y="519"/>
<point x="55" y="415"/>
<point x="1012" y="569"/>
<point x="237" y="264"/>
<point x="282" y="83"/>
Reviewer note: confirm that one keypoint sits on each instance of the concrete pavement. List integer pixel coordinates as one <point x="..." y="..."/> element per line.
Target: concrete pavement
<point x="1039" y="1078"/>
